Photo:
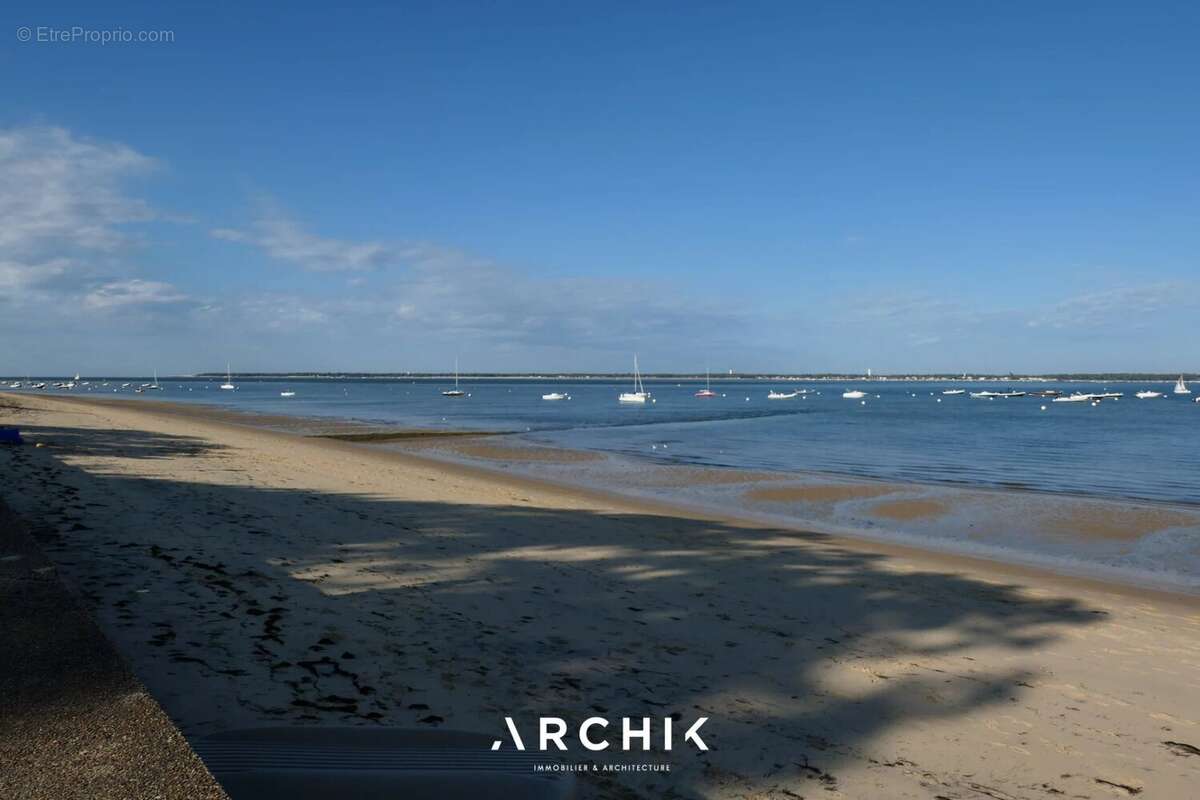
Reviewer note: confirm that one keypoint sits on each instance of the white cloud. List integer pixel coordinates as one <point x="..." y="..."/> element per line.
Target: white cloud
<point x="285" y="240"/>
<point x="117" y="294"/>
<point x="64" y="217"/>
<point x="453" y="294"/>
<point x="62" y="192"/>
<point x="1103" y="307"/>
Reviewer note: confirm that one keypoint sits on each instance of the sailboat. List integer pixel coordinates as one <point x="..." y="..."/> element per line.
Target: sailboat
<point x="155" y="385"/>
<point x="639" y="393"/>
<point x="228" y="384"/>
<point x="455" y="392"/>
<point x="1181" y="387"/>
<point x="707" y="390"/>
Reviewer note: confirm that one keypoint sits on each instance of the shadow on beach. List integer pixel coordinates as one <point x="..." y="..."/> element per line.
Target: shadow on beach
<point x="242" y="605"/>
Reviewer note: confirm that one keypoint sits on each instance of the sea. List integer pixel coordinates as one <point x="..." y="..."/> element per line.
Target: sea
<point x="1119" y="450"/>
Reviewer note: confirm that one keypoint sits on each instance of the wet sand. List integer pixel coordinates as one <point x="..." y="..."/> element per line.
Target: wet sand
<point x="819" y="493"/>
<point x="263" y="577"/>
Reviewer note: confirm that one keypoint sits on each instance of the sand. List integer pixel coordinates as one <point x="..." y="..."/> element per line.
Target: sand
<point x="819" y="493"/>
<point x="74" y="722"/>
<point x="906" y="510"/>
<point x="254" y="576"/>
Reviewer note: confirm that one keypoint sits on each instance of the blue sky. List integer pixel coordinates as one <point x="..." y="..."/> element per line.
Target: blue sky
<point x="759" y="186"/>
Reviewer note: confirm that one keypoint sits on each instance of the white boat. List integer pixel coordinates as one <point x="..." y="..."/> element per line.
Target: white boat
<point x="639" y="394"/>
<point x="954" y="391"/>
<point x="854" y="394"/>
<point x="154" y="385"/>
<point x="228" y="384"/>
<point x="455" y="392"/>
<point x="288" y="393"/>
<point x="1073" y="398"/>
<point x="1181" y="387"/>
<point x="774" y="395"/>
<point x="985" y="394"/>
<point x="707" y="390"/>
<point x="1148" y="395"/>
<point x="556" y="396"/>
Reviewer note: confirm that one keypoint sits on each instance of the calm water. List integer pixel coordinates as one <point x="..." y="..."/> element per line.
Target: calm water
<point x="1147" y="449"/>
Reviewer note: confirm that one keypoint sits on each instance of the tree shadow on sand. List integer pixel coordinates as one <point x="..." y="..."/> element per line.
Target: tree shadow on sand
<point x="290" y="606"/>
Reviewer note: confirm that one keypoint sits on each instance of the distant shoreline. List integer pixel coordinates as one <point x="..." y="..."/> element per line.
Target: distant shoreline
<point x="1081" y="377"/>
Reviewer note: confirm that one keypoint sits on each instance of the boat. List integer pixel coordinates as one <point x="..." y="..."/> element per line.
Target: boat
<point x="639" y="394"/>
<point x="853" y="394"/>
<point x="154" y="385"/>
<point x="1148" y="395"/>
<point x="985" y="395"/>
<point x="228" y="384"/>
<point x="1010" y="394"/>
<point x="556" y="396"/>
<point x="954" y="391"/>
<point x="288" y="393"/>
<point x="1073" y="398"/>
<point x="707" y="390"/>
<point x="455" y="392"/>
<point x="1107" y="395"/>
<point x="774" y="395"/>
<point x="1046" y="393"/>
<point x="1181" y="387"/>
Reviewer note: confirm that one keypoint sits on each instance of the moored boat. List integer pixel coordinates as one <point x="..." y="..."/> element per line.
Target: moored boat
<point x="639" y="395"/>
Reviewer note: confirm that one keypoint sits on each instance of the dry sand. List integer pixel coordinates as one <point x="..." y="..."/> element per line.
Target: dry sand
<point x="255" y="576"/>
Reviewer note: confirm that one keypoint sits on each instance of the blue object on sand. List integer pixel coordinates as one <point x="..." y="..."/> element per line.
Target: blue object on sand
<point x="10" y="436"/>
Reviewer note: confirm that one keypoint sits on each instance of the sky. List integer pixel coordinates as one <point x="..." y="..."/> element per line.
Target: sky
<point x="788" y="187"/>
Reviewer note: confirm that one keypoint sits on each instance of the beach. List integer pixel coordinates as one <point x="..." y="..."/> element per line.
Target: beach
<point x="254" y="574"/>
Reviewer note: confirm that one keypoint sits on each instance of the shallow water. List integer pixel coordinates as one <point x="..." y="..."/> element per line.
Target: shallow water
<point x="1127" y="448"/>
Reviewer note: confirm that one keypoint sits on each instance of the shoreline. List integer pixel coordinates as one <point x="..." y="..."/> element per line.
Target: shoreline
<point x="429" y="447"/>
